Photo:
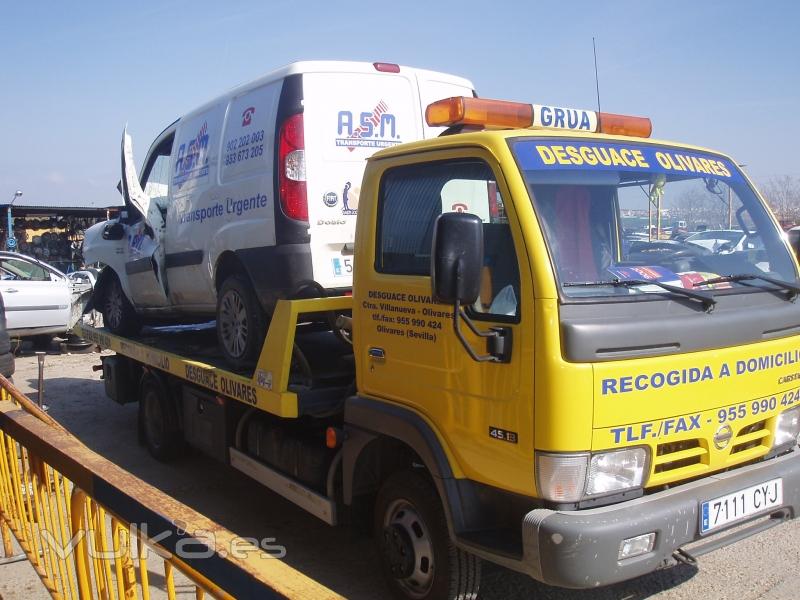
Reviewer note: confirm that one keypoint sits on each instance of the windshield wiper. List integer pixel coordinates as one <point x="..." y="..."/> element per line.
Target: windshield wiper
<point x="707" y="299"/>
<point x="794" y="290"/>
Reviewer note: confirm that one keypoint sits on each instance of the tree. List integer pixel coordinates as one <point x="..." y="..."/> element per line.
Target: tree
<point x="782" y="193"/>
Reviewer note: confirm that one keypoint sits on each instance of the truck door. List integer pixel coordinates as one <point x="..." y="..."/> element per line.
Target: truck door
<point x="144" y="266"/>
<point x="409" y="353"/>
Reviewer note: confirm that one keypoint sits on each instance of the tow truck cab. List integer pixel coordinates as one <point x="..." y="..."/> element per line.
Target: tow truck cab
<point x="628" y="396"/>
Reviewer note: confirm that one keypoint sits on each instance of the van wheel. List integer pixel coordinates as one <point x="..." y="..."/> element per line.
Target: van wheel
<point x="241" y="322"/>
<point x="158" y="420"/>
<point x="419" y="559"/>
<point x="118" y="313"/>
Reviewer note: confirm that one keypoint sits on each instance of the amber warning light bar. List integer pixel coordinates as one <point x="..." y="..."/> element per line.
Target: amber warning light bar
<point x="462" y="110"/>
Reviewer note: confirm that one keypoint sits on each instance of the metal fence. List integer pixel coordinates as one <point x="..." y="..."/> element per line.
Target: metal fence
<point x="92" y="530"/>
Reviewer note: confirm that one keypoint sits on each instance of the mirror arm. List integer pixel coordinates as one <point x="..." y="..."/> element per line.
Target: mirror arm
<point x="459" y="314"/>
<point x="473" y="328"/>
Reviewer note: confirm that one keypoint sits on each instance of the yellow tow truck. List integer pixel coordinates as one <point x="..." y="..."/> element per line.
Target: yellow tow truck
<point x="519" y="376"/>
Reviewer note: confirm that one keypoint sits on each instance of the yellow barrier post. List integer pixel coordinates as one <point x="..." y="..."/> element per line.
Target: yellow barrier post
<point x="6" y="535"/>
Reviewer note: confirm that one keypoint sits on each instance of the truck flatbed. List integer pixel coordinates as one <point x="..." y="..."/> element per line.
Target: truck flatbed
<point x="303" y="369"/>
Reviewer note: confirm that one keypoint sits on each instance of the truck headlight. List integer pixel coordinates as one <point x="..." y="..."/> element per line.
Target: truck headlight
<point x="561" y="477"/>
<point x="616" y="471"/>
<point x="787" y="427"/>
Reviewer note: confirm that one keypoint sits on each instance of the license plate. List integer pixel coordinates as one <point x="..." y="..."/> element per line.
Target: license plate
<point x="739" y="505"/>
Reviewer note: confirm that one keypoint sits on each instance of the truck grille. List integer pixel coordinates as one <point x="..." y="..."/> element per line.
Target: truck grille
<point x="684" y="459"/>
<point x="753" y="436"/>
<point x="679" y="455"/>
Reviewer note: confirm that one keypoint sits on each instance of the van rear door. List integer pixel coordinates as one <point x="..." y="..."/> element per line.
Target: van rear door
<point x="435" y="86"/>
<point x="348" y="116"/>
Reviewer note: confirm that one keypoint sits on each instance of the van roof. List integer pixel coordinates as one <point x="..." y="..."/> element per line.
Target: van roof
<point x="325" y="66"/>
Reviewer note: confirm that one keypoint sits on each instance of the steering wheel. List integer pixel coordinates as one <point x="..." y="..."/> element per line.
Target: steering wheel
<point x="725" y="248"/>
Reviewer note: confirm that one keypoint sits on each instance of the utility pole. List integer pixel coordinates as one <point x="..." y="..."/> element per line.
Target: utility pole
<point x="11" y="241"/>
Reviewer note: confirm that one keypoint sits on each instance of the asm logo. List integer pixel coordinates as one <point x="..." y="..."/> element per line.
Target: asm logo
<point x="375" y="129"/>
<point x="192" y="158"/>
<point x="135" y="242"/>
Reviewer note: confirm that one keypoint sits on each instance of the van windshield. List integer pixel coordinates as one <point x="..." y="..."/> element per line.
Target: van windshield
<point x="619" y="212"/>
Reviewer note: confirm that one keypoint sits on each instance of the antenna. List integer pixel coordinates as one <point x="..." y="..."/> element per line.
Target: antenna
<point x="596" y="78"/>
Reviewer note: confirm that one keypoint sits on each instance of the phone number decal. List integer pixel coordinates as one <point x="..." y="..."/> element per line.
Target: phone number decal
<point x="666" y="428"/>
<point x="756" y="407"/>
<point x="244" y="147"/>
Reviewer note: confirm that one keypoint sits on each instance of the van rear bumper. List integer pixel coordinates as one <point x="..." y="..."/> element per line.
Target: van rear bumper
<point x="580" y="549"/>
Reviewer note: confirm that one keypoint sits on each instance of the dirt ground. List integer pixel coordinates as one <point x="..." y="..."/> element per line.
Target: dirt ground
<point x="764" y="566"/>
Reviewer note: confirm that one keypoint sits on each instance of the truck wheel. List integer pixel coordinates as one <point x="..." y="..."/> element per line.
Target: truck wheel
<point x="118" y="313"/>
<point x="158" y="420"/>
<point x="241" y="322"/>
<point x="419" y="559"/>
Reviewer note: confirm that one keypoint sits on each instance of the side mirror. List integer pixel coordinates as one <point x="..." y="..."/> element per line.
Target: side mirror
<point x="456" y="269"/>
<point x="457" y="258"/>
<point x="113" y="231"/>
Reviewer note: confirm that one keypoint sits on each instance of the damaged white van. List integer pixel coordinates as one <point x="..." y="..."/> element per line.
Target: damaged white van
<point x="253" y="197"/>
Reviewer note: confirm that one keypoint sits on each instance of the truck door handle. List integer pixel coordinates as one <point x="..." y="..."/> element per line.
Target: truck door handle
<point x="378" y="353"/>
<point x="11" y="290"/>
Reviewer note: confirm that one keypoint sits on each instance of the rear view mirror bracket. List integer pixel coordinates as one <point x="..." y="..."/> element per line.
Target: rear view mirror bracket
<point x="498" y="338"/>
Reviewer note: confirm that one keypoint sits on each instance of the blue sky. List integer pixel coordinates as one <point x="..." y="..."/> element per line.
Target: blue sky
<point x="719" y="74"/>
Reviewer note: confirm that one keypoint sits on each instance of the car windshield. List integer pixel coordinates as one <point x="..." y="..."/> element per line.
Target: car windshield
<point x="617" y="212"/>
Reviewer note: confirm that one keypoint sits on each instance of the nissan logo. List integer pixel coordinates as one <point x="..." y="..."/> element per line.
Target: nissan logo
<point x="722" y="437"/>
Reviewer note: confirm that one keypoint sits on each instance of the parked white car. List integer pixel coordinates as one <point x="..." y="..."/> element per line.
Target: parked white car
<point x="253" y="197"/>
<point x="39" y="299"/>
<point x="725" y="240"/>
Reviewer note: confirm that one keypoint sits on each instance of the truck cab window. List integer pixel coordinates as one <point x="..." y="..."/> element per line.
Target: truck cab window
<point x="411" y="199"/>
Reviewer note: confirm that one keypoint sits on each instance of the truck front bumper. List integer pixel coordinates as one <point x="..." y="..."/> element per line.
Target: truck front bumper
<point x="580" y="549"/>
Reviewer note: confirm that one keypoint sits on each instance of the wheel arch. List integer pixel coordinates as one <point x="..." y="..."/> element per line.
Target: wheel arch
<point x="107" y="273"/>
<point x="390" y="436"/>
<point x="227" y="264"/>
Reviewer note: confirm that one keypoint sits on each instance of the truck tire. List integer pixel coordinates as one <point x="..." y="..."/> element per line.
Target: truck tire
<point x="5" y="339"/>
<point x="7" y="364"/>
<point x="118" y="312"/>
<point x="158" y="420"/>
<point x="419" y="559"/>
<point x="6" y="355"/>
<point x="241" y="322"/>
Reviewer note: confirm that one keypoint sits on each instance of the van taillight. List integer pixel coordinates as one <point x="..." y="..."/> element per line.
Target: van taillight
<point x="292" y="168"/>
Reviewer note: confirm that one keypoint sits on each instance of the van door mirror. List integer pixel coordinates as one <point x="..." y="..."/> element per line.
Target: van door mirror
<point x="113" y="231"/>
<point x="457" y="258"/>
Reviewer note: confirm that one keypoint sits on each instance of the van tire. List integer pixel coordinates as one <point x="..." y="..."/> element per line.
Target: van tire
<point x="118" y="313"/>
<point x="158" y="420"/>
<point x="241" y="322"/>
<point x="408" y="505"/>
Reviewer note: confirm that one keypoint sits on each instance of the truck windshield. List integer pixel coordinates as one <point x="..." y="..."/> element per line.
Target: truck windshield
<point x="619" y="212"/>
